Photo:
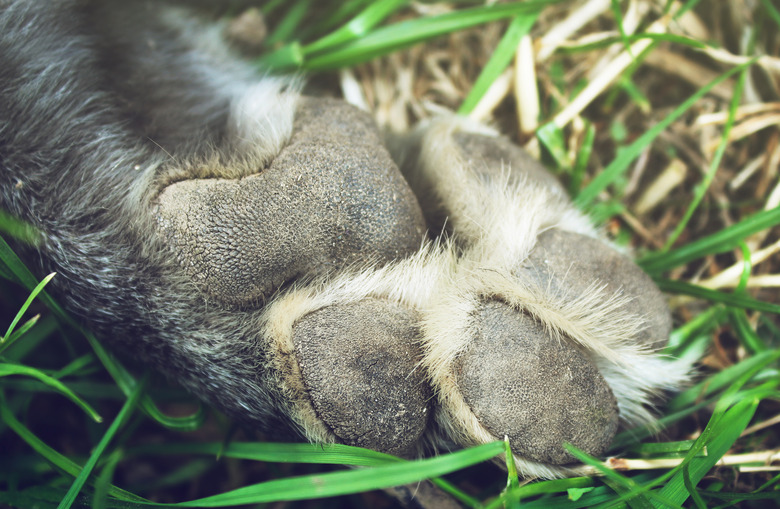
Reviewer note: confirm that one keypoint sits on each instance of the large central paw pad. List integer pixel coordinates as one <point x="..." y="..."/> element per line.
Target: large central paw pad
<point x="330" y="198"/>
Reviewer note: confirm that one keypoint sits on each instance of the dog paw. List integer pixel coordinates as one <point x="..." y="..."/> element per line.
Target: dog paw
<point x="265" y="250"/>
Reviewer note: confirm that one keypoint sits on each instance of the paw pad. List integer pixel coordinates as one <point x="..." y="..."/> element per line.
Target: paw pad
<point x="540" y="391"/>
<point x="332" y="197"/>
<point x="359" y="362"/>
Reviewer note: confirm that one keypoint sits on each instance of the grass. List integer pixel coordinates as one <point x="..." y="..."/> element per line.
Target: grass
<point x="681" y="166"/>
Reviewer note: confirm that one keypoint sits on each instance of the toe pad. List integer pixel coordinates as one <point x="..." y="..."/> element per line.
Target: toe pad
<point x="538" y="390"/>
<point x="359" y="365"/>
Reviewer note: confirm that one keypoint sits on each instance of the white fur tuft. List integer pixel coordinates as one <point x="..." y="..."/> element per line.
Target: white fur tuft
<point x="261" y="118"/>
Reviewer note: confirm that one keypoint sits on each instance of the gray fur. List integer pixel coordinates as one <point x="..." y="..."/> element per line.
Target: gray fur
<point x="552" y="265"/>
<point x="79" y="160"/>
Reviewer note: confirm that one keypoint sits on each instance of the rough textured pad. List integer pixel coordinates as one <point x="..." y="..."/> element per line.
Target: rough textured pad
<point x="538" y="390"/>
<point x="332" y="197"/>
<point x="491" y="156"/>
<point x="566" y="261"/>
<point x="359" y="365"/>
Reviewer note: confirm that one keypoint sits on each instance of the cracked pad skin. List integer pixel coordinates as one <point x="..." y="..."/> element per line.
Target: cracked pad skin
<point x="331" y="197"/>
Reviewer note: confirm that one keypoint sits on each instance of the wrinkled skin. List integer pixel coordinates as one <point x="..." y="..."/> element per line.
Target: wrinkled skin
<point x="266" y="251"/>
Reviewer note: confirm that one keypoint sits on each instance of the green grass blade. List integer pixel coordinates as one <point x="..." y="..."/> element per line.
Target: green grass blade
<point x="7" y="341"/>
<point x="633" y="436"/>
<point x="499" y="60"/>
<point x="723" y="435"/>
<point x="354" y="481"/>
<point x="628" y="496"/>
<point x="772" y="482"/>
<point x="723" y="428"/>
<point x="103" y="481"/>
<point x="634" y="92"/>
<point x="23" y="276"/>
<point x="615" y="6"/>
<point x="687" y="6"/>
<point x="7" y="369"/>
<point x="748" y="367"/>
<point x="325" y="454"/>
<point x="701" y="395"/>
<point x="127" y="383"/>
<point x="691" y="487"/>
<point x="511" y="501"/>
<point x="720" y="242"/>
<point x="191" y="469"/>
<point x="581" y="163"/>
<point x="552" y="138"/>
<point x="735" y="300"/>
<point x="772" y="10"/>
<point x="18" y="229"/>
<point x="55" y="458"/>
<point x="77" y="366"/>
<point x="734" y="499"/>
<point x="289" y="56"/>
<point x="389" y="38"/>
<point x="703" y="323"/>
<point x="121" y="418"/>
<point x="271" y="5"/>
<point x="360" y="25"/>
<point x="554" y="486"/>
<point x="344" y="10"/>
<point x="41" y="329"/>
<point x="701" y="189"/>
<point x="38" y="289"/>
<point x="662" y="449"/>
<point x="463" y="497"/>
<point x="626" y="488"/>
<point x="747" y="268"/>
<point x="627" y="156"/>
<point x="322" y="454"/>
<point x="289" y="24"/>
<point x="752" y="342"/>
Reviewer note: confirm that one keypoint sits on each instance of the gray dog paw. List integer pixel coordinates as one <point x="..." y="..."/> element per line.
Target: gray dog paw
<point x="264" y="250"/>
